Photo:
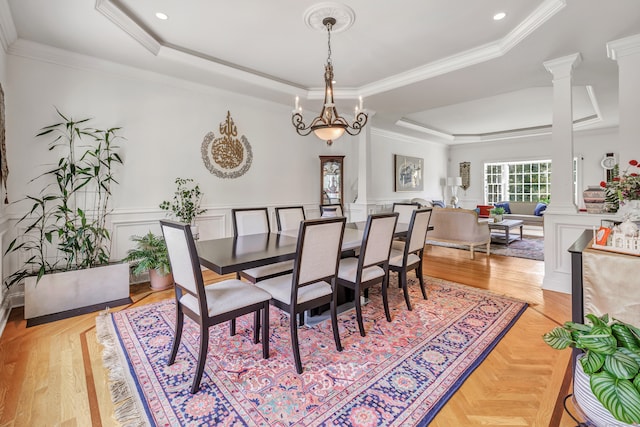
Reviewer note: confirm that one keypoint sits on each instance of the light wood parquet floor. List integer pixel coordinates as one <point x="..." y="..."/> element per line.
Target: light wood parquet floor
<point x="52" y="374"/>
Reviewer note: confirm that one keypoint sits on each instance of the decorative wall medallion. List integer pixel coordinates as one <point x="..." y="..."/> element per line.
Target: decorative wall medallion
<point x="226" y="156"/>
<point x="465" y="174"/>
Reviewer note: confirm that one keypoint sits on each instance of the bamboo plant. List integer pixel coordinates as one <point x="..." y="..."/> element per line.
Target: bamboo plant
<point x="65" y="226"/>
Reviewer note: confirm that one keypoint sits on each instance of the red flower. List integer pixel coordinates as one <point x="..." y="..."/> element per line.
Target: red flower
<point x="617" y="178"/>
<point x="603" y="184"/>
<point x="633" y="174"/>
<point x="633" y="162"/>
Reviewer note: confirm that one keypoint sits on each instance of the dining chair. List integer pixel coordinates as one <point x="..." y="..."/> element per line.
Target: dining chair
<point x="328" y="211"/>
<point x="410" y="256"/>
<point x="212" y="304"/>
<point x="289" y="217"/>
<point x="372" y="265"/>
<point x="405" y="210"/>
<point x="312" y="282"/>
<point x="254" y="221"/>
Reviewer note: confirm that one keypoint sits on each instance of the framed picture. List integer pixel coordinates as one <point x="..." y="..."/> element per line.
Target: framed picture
<point x="408" y="173"/>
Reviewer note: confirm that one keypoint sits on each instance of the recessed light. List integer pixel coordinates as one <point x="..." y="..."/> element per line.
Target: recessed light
<point x="498" y="16"/>
<point x="162" y="16"/>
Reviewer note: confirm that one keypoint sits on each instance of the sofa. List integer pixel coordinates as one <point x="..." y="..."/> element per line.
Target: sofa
<point x="530" y="213"/>
<point x="461" y="227"/>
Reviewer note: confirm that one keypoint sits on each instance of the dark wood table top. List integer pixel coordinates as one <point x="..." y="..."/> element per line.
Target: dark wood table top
<point x="232" y="254"/>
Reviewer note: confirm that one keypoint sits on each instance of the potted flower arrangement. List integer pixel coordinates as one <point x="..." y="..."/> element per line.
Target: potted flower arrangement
<point x="150" y="255"/>
<point x="611" y="363"/>
<point x="65" y="237"/>
<point x="624" y="190"/>
<point x="497" y="213"/>
<point x="185" y="205"/>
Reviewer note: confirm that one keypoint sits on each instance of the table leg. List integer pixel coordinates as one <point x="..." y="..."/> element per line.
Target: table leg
<point x="506" y="235"/>
<point x="521" y="232"/>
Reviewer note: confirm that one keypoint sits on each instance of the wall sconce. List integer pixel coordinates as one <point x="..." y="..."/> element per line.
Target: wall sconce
<point x="454" y="182"/>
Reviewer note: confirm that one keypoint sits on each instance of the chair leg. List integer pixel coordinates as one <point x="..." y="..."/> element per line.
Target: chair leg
<point x="177" y="335"/>
<point x="256" y="326"/>
<point x="202" y="358"/>
<point x="405" y="290"/>
<point x="301" y="318"/>
<point x="232" y="327"/>
<point x="265" y="330"/>
<point x="359" y="311"/>
<point x="385" y="297"/>
<point x="421" y="280"/>
<point x="334" y="323"/>
<point x="294" y="342"/>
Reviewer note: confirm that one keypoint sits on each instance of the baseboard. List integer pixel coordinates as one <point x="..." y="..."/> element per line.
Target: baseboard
<point x="5" y="310"/>
<point x="34" y="321"/>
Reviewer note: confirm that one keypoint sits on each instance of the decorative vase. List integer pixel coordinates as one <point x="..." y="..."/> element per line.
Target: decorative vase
<point x="195" y="232"/>
<point x="589" y="403"/>
<point x="630" y="209"/>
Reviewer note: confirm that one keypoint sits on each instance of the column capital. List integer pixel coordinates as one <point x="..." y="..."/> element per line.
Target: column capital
<point x="562" y="67"/>
<point x="623" y="47"/>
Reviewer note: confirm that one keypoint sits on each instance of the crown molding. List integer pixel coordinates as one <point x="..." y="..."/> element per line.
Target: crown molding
<point x="469" y="57"/>
<point x="8" y="33"/>
<point x="454" y="62"/>
<point x="402" y="137"/>
<point x="128" y="25"/>
<point x="623" y="47"/>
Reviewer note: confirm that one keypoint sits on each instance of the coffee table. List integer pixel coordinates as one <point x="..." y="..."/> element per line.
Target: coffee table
<point x="502" y="230"/>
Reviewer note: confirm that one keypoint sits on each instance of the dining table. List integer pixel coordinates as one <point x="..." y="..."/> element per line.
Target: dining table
<point x="233" y="254"/>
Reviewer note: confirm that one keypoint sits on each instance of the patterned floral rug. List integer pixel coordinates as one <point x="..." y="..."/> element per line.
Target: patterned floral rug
<point x="400" y="374"/>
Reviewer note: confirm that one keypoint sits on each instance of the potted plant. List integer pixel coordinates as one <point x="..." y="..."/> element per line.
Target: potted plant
<point x="185" y="205"/>
<point x="497" y="213"/>
<point x="65" y="229"/>
<point x="611" y="362"/>
<point x="150" y="255"/>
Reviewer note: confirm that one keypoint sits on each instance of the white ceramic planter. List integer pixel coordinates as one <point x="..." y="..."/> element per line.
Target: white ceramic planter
<point x="71" y="290"/>
<point x="589" y="404"/>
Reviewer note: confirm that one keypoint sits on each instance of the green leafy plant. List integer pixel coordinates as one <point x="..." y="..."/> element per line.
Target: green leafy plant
<point x="497" y="211"/>
<point x="612" y="361"/>
<point x="185" y="205"/>
<point x="66" y="223"/>
<point x="150" y="253"/>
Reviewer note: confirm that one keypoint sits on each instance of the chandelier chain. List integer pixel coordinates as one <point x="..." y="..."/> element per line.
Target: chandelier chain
<point x="329" y="42"/>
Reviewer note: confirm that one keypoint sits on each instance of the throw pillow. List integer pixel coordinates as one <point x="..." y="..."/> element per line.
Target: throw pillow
<point x="484" y="210"/>
<point x="504" y="205"/>
<point x="438" y="203"/>
<point x="540" y="208"/>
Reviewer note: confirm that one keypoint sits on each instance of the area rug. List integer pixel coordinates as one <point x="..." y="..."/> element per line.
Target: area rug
<point x="531" y="247"/>
<point x="400" y="374"/>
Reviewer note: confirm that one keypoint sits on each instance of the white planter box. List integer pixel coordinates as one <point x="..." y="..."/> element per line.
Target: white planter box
<point x="70" y="290"/>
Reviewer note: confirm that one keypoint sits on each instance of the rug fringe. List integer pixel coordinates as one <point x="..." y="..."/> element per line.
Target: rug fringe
<point x="126" y="411"/>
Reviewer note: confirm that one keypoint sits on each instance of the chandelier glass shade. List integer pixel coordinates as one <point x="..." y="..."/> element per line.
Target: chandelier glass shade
<point x="329" y="125"/>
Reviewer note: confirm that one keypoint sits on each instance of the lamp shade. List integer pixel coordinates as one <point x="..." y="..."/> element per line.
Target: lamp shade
<point x="329" y="133"/>
<point x="454" y="181"/>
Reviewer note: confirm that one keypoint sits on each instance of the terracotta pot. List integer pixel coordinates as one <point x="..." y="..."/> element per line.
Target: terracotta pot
<point x="159" y="282"/>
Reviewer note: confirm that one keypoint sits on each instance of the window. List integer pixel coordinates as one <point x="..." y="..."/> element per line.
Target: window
<point x="517" y="181"/>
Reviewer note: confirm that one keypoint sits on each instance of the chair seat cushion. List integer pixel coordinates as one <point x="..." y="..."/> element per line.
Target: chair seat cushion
<point x="348" y="270"/>
<point x="280" y="289"/>
<point x="270" y="269"/>
<point x="226" y="296"/>
<point x="395" y="259"/>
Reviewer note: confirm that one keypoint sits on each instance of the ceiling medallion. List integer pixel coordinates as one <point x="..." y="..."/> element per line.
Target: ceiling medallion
<point x="226" y="156"/>
<point x="329" y="125"/>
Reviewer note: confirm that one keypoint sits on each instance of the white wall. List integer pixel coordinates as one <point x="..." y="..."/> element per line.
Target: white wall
<point x="383" y="147"/>
<point x="589" y="146"/>
<point x="5" y="305"/>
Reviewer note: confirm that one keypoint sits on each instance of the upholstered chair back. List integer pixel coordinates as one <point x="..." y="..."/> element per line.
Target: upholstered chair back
<point x="405" y="210"/>
<point x="250" y="221"/>
<point x="418" y="229"/>
<point x="319" y="248"/>
<point x="289" y="218"/>
<point x="378" y="238"/>
<point x="182" y="252"/>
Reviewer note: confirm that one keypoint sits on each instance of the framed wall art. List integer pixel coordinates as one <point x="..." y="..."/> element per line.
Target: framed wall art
<point x="408" y="173"/>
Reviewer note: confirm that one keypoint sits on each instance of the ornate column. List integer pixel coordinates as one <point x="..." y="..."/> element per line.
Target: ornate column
<point x="626" y="52"/>
<point x="562" y="190"/>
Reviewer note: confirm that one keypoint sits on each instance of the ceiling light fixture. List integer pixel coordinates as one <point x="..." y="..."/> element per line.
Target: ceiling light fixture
<point x="498" y="16"/>
<point x="162" y="16"/>
<point x="329" y="125"/>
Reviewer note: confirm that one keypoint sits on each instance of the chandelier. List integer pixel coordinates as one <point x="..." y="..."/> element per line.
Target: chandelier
<point x="329" y="125"/>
